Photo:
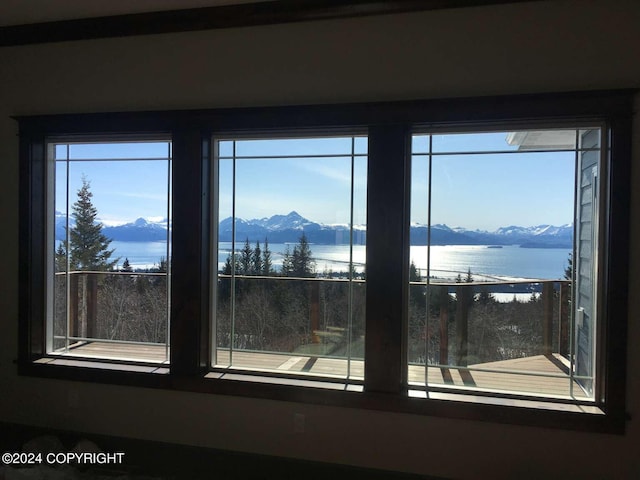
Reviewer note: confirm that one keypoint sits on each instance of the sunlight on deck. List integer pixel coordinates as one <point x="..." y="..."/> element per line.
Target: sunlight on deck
<point x="539" y="375"/>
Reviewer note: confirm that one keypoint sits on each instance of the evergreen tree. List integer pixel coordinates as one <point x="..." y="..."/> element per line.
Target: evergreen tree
<point x="224" y="284"/>
<point x="485" y="296"/>
<point x="287" y="263"/>
<point x="61" y="258"/>
<point x="89" y="247"/>
<point x="227" y="268"/>
<point x="302" y="261"/>
<point x="417" y="293"/>
<point x="256" y="260"/>
<point x="267" y="264"/>
<point x="469" y="277"/>
<point x="414" y="274"/>
<point x="126" y="266"/>
<point x="568" y="272"/>
<point x="245" y="258"/>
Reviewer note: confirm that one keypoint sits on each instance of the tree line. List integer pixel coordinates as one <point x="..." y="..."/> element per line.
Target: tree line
<point x="258" y="260"/>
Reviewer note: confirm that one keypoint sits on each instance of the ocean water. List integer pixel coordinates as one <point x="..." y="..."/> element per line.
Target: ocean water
<point x="140" y="254"/>
<point x="508" y="261"/>
<point x="445" y="261"/>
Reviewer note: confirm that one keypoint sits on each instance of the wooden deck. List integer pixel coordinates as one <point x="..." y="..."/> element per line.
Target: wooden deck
<point x="539" y="375"/>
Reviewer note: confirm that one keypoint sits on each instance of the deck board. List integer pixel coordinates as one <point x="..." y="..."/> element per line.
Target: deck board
<point x="522" y="375"/>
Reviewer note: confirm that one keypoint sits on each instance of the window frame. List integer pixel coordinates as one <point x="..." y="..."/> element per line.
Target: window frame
<point x="51" y="160"/>
<point x="602" y="149"/>
<point x="389" y="126"/>
<point x="347" y="380"/>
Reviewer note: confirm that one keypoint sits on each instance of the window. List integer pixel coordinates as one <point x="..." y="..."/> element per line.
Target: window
<point x="495" y="303"/>
<point x="274" y="220"/>
<point x="109" y="249"/>
<point x="291" y="241"/>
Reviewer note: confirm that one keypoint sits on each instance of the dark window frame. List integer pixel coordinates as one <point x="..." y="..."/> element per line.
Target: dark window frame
<point x="389" y="125"/>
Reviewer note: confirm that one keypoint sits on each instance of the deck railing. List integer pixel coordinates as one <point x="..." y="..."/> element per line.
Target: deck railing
<point x="127" y="307"/>
<point x="134" y="306"/>
<point x="443" y="300"/>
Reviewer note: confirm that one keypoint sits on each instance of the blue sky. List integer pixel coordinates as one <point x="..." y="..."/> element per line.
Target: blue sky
<point x="491" y="190"/>
<point x="318" y="188"/>
<point x="484" y="191"/>
<point x="122" y="190"/>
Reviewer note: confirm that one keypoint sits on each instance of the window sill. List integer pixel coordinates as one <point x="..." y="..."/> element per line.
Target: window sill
<point x="103" y="365"/>
<point x="464" y="406"/>
<point x="256" y="378"/>
<point x="541" y="404"/>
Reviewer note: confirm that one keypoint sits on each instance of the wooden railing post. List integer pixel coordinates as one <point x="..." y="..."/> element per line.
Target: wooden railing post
<point x="82" y="305"/>
<point x="92" y="305"/>
<point x="563" y="333"/>
<point x="73" y="304"/>
<point x="462" y="324"/>
<point x="547" y="317"/>
<point x="444" y="325"/>
<point x="314" y="310"/>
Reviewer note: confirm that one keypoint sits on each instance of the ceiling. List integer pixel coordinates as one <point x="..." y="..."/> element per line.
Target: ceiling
<point x="24" y="22"/>
<point x="19" y="12"/>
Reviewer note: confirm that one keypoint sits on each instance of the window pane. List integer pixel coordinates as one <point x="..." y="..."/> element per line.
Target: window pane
<point x="291" y="255"/>
<point x="110" y="250"/>
<point x="515" y="141"/>
<point x="490" y="304"/>
<point x="296" y="146"/>
<point x="118" y="150"/>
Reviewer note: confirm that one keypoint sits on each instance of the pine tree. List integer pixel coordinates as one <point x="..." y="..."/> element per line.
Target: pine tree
<point x="89" y="247"/>
<point x="256" y="260"/>
<point x="245" y="259"/>
<point x="126" y="266"/>
<point x="303" y="263"/>
<point x="224" y="284"/>
<point x="61" y="258"/>
<point x="227" y="269"/>
<point x="485" y="296"/>
<point x="287" y="263"/>
<point x="417" y="293"/>
<point x="267" y="264"/>
<point x="414" y="273"/>
<point x="469" y="277"/>
<point x="568" y="272"/>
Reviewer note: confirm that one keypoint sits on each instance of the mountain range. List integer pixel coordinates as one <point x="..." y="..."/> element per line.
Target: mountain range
<point x="288" y="229"/>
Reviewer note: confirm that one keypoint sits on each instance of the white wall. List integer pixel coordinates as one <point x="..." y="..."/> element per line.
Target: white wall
<point x="531" y="47"/>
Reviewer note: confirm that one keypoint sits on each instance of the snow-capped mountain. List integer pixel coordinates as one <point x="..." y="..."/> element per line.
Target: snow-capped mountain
<point x="285" y="229"/>
<point x="140" y="230"/>
<point x="564" y="230"/>
<point x="292" y="221"/>
<point x="288" y="228"/>
<point x="539" y="236"/>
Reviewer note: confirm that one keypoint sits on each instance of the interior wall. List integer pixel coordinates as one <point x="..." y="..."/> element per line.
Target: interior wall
<point x="522" y="48"/>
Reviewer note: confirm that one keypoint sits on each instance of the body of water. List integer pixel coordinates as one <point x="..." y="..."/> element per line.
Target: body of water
<point x="140" y="254"/>
<point x="447" y="261"/>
